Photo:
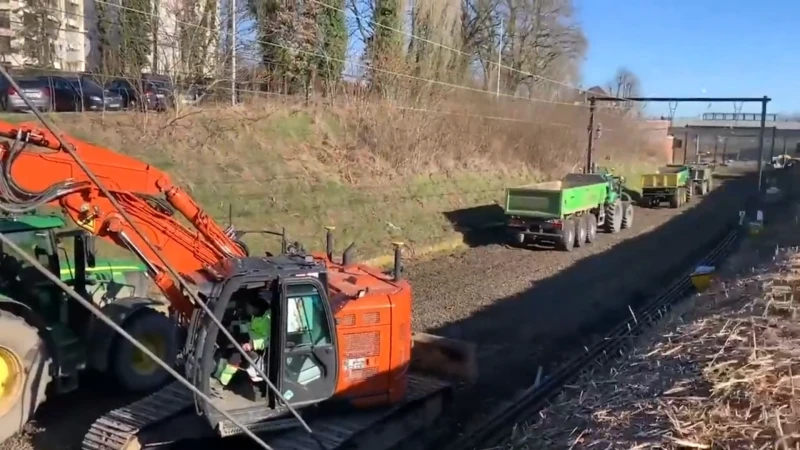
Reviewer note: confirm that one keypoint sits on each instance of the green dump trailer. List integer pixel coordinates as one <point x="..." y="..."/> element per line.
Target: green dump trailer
<point x="672" y="183"/>
<point x="567" y="212"/>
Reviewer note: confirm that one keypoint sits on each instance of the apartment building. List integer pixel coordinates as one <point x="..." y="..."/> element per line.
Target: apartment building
<point x="21" y="24"/>
<point x="165" y="55"/>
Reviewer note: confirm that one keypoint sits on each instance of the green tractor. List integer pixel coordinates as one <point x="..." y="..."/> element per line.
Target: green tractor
<point x="44" y="333"/>
<point x="570" y="211"/>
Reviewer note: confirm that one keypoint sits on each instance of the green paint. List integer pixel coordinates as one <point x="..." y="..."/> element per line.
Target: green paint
<point x="30" y="222"/>
<point x="559" y="199"/>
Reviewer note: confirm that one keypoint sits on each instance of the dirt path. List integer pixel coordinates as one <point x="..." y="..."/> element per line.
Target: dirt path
<point x="530" y="308"/>
<point x="515" y="303"/>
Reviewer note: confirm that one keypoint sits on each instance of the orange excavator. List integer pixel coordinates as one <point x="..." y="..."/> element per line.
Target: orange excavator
<point x="340" y="337"/>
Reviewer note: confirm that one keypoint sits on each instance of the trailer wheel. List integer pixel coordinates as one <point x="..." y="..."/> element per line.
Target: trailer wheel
<point x="567" y="241"/>
<point x="675" y="199"/>
<point x="24" y="373"/>
<point x="614" y="217"/>
<point x="133" y="369"/>
<point x="581" y="228"/>
<point x="591" y="228"/>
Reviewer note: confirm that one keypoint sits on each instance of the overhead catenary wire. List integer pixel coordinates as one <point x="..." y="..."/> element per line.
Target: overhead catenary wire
<point x="457" y="51"/>
<point x="339" y="60"/>
<point x="100" y="315"/>
<point x="66" y="147"/>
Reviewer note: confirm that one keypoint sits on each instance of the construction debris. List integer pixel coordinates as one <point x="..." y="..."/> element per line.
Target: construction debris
<point x="725" y="379"/>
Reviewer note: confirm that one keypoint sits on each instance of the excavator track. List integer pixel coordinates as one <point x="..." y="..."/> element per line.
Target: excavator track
<point x="117" y="429"/>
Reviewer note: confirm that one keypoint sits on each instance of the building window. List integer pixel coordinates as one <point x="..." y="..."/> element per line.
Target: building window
<point x="5" y="19"/>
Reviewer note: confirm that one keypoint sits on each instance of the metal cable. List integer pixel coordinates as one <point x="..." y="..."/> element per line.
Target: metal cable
<point x="65" y="146"/>
<point x="99" y="314"/>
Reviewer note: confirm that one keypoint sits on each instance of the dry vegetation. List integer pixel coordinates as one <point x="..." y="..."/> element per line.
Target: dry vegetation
<point x="721" y="374"/>
<point x="374" y="171"/>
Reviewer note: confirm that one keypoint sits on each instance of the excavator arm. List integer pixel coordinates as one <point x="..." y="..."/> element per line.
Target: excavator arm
<point x="36" y="171"/>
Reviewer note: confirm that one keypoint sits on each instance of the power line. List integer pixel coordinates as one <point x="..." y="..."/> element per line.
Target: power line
<point x="328" y="57"/>
<point x="455" y="50"/>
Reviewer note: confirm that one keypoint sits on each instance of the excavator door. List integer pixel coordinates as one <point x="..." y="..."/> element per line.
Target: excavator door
<point x="308" y="365"/>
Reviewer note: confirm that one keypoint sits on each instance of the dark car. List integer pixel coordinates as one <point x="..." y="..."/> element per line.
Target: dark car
<point x="153" y="94"/>
<point x="80" y="93"/>
<point x="35" y="89"/>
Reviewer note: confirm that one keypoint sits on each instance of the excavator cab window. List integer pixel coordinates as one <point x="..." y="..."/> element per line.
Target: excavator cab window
<point x="309" y="361"/>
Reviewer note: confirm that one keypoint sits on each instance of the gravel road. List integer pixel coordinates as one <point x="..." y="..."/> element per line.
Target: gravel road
<point x="526" y="308"/>
<point x="521" y="306"/>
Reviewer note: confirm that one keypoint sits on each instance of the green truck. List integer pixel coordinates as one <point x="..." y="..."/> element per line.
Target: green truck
<point x="31" y="305"/>
<point x="672" y="183"/>
<point x="568" y="212"/>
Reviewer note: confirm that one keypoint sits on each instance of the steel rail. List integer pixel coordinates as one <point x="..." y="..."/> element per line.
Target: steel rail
<point x="494" y="431"/>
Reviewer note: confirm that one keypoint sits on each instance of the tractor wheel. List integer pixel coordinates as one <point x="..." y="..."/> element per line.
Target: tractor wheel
<point x="675" y="199"/>
<point x="591" y="228"/>
<point x="581" y="228"/>
<point x="689" y="193"/>
<point x="567" y="241"/>
<point x="24" y="373"/>
<point x="614" y="217"/>
<point x="134" y="370"/>
<point x="627" y="215"/>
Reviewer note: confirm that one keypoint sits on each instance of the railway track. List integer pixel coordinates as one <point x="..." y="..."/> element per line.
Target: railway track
<point x="495" y="430"/>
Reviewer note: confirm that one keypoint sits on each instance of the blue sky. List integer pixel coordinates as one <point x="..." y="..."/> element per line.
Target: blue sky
<point x="680" y="47"/>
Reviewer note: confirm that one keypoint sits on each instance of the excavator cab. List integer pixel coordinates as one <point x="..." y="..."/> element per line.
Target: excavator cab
<point x="300" y="357"/>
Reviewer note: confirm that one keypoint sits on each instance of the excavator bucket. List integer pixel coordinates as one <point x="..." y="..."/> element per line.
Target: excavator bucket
<point x="449" y="358"/>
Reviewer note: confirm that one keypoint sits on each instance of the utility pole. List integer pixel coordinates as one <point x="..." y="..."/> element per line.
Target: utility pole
<point x="716" y="146"/>
<point x="772" y="146"/>
<point x="499" y="59"/>
<point x="233" y="52"/>
<point x="784" y="146"/>
<point x="697" y="148"/>
<point x="590" y="146"/>
<point x="764" y="102"/>
<point x="686" y="144"/>
<point x="724" y="149"/>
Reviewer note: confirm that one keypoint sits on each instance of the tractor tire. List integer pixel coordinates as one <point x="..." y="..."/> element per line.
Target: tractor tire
<point x="627" y="215"/>
<point x="591" y="228"/>
<point x="567" y="241"/>
<point x="135" y="371"/>
<point x="614" y="217"/>
<point x="24" y="373"/>
<point x="581" y="228"/>
<point x="689" y="193"/>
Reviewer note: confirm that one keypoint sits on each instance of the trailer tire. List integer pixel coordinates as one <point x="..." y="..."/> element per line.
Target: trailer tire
<point x="567" y="241"/>
<point x="627" y="215"/>
<point x="25" y="365"/>
<point x="675" y="199"/>
<point x="614" y="217"/>
<point x="591" y="228"/>
<point x="133" y="370"/>
<point x="581" y="227"/>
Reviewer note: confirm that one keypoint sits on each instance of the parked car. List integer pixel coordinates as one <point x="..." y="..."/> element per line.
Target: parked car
<point x="35" y="89"/>
<point x="152" y="94"/>
<point x="80" y="93"/>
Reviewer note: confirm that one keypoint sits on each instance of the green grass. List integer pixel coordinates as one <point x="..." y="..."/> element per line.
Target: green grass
<point x="294" y="169"/>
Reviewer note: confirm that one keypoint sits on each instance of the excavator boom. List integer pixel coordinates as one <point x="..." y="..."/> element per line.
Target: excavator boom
<point x="37" y="171"/>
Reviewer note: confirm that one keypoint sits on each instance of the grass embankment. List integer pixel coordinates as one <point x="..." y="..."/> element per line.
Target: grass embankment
<point x="375" y="173"/>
